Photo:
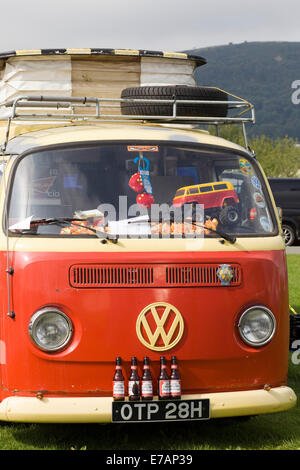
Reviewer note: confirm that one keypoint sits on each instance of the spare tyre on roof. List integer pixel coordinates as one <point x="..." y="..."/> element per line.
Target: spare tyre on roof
<point x="171" y="92"/>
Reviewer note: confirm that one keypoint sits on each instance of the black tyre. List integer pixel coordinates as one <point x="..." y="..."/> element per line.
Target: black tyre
<point x="289" y="235"/>
<point x="179" y="92"/>
<point x="229" y="215"/>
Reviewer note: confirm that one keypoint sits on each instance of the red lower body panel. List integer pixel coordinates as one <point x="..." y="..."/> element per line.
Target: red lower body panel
<point x="210" y="352"/>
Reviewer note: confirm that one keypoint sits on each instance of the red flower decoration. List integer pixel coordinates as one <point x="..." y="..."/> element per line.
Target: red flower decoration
<point x="145" y="200"/>
<point x="136" y="183"/>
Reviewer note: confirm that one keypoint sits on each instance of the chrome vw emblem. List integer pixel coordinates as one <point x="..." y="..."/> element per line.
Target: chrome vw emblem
<point x="159" y="326"/>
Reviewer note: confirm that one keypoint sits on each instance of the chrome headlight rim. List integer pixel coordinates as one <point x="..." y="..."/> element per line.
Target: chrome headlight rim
<point x="34" y="320"/>
<point x="269" y="313"/>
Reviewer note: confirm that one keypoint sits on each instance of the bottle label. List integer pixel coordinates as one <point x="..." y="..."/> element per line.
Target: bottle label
<point x="118" y="389"/>
<point x="147" y="388"/>
<point x="175" y="387"/>
<point x="164" y="388"/>
<point x="133" y="388"/>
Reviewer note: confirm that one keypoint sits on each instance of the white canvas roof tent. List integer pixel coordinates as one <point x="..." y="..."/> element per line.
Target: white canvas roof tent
<point x="101" y="73"/>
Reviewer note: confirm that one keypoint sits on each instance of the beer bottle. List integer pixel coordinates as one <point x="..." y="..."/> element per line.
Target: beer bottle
<point x="147" y="387"/>
<point x="118" y="381"/>
<point x="134" y="382"/>
<point x="163" y="381"/>
<point x="175" y="382"/>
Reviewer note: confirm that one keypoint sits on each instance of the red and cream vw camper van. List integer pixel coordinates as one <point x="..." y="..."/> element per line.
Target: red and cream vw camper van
<point x="97" y="264"/>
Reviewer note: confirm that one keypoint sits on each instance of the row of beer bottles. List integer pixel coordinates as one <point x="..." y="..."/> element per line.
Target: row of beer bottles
<point x="168" y="387"/>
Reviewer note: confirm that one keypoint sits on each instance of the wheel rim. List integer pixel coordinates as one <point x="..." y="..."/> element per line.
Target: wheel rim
<point x="287" y="235"/>
<point x="232" y="216"/>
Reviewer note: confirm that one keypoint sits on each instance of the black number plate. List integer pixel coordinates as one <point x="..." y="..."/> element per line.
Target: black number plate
<point x="178" y="410"/>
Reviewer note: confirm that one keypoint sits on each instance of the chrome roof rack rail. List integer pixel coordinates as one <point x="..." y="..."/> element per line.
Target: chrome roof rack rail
<point x="97" y="107"/>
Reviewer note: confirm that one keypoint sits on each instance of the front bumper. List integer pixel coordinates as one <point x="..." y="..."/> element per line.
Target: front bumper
<point x="98" y="409"/>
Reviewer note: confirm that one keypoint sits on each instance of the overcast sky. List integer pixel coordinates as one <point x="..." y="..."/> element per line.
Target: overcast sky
<point x="145" y="24"/>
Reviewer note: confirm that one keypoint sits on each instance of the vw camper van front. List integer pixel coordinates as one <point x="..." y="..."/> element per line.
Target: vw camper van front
<point x="99" y="264"/>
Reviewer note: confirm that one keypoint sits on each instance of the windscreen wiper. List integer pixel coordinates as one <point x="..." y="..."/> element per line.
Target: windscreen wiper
<point x="64" y="222"/>
<point x="226" y="236"/>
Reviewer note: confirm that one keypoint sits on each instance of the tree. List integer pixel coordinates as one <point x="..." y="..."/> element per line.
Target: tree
<point x="279" y="157"/>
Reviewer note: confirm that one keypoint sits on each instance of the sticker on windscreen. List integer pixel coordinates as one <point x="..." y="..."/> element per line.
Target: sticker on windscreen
<point x="142" y="148"/>
<point x="42" y="185"/>
<point x="259" y="200"/>
<point x="245" y="166"/>
<point x="256" y="183"/>
<point x="265" y="223"/>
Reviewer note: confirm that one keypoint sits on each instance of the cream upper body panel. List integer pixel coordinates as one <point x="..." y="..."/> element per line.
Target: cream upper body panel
<point x="66" y="134"/>
<point x="167" y="245"/>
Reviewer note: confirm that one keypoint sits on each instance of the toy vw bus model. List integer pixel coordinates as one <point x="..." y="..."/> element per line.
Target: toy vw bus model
<point x="96" y="264"/>
<point x="220" y="196"/>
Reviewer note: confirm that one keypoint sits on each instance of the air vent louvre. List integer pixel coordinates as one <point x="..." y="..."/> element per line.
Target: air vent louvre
<point x="199" y="275"/>
<point x="160" y="275"/>
<point x="111" y="276"/>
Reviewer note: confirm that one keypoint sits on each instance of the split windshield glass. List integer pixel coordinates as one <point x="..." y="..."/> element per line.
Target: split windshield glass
<point x="173" y="187"/>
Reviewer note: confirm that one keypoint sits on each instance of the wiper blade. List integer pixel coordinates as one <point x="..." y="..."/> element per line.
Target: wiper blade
<point x="54" y="220"/>
<point x="65" y="221"/>
<point x="226" y="236"/>
<point x="222" y="234"/>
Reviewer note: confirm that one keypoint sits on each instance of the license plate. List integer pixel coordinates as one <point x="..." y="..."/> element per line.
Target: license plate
<point x="179" y="410"/>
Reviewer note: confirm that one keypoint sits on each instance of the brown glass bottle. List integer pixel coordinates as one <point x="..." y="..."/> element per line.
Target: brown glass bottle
<point x="163" y="381"/>
<point x="175" y="382"/>
<point x="118" y="381"/>
<point x="134" y="392"/>
<point x="147" y="386"/>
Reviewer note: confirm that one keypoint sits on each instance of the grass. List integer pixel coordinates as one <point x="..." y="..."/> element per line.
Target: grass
<point x="266" y="432"/>
<point x="294" y="281"/>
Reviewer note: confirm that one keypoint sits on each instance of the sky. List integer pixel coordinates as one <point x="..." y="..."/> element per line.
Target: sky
<point x="168" y="25"/>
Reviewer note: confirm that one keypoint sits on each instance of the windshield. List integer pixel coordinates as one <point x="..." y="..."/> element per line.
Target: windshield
<point x="108" y="186"/>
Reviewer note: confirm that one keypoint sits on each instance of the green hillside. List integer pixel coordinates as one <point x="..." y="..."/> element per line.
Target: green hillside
<point x="263" y="73"/>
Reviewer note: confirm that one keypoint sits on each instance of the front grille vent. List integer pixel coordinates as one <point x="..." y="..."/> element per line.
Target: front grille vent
<point x="160" y="275"/>
<point x="111" y="276"/>
<point x="198" y="275"/>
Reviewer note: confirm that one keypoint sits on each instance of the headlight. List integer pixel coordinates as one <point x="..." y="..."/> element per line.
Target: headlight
<point x="50" y="329"/>
<point x="257" y="326"/>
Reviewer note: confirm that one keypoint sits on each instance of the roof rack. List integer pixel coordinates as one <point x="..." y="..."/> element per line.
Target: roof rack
<point x="98" y="107"/>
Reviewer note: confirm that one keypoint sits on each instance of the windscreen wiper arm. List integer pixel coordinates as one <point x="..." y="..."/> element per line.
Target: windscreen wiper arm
<point x="64" y="221"/>
<point x="226" y="236"/>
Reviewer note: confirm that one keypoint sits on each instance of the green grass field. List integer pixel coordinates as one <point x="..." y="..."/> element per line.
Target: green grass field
<point x="274" y="432"/>
<point x="294" y="281"/>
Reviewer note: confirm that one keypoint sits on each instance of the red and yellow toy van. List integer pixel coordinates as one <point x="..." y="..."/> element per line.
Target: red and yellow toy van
<point x="220" y="196"/>
<point x="211" y="195"/>
<point x="95" y="266"/>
